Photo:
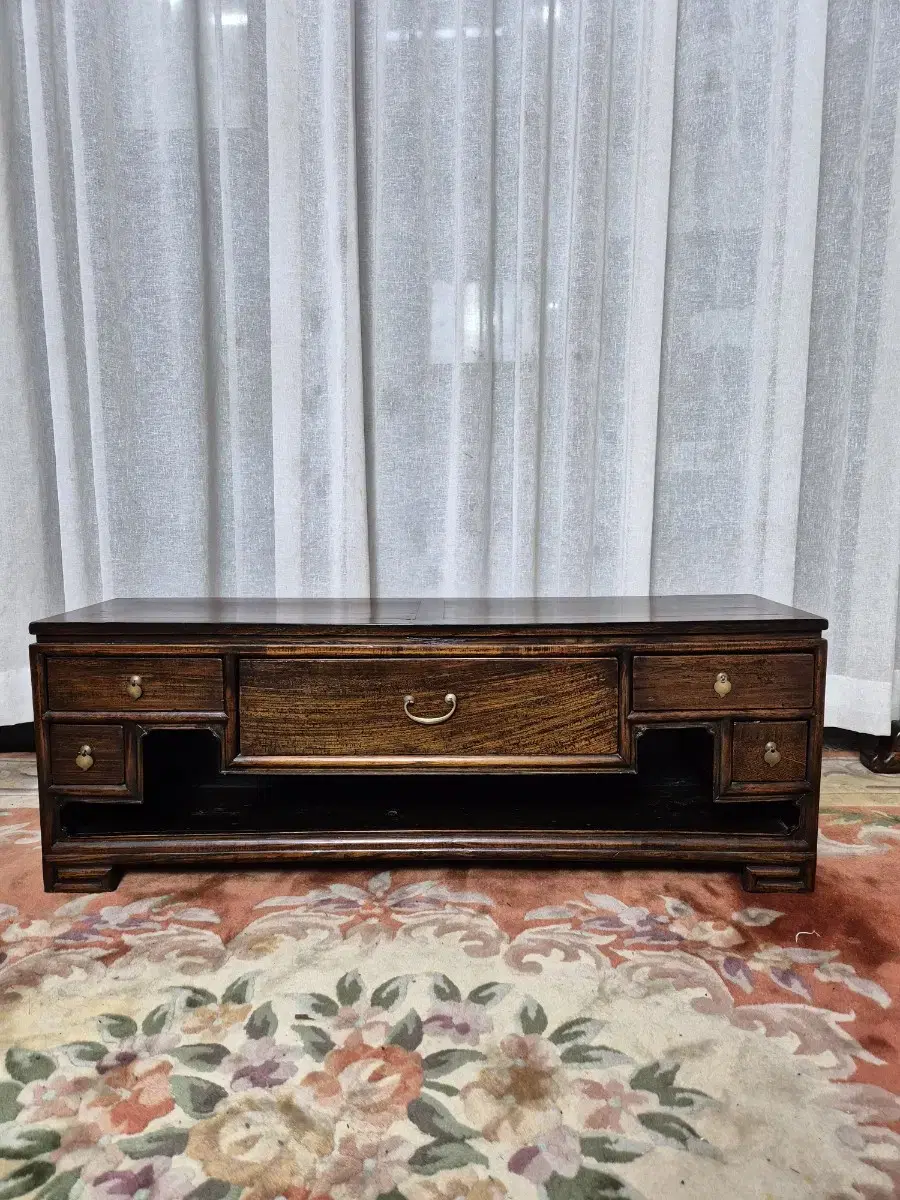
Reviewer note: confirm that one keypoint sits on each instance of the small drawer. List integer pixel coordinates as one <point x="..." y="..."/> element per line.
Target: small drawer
<point x="138" y="684"/>
<point x="87" y="754"/>
<point x="716" y="683"/>
<point x="769" y="751"/>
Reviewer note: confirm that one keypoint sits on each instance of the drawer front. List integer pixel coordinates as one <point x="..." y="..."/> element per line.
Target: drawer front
<point x="87" y="754"/>
<point x="108" y="684"/>
<point x="687" y="682"/>
<point x="522" y="707"/>
<point x="769" y="751"/>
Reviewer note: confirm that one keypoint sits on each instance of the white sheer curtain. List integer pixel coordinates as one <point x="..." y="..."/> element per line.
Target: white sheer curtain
<point x="453" y="297"/>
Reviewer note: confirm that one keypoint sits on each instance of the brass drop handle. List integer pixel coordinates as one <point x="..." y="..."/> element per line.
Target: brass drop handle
<point x="135" y="687"/>
<point x="84" y="758"/>
<point x="772" y="757"/>
<point x="448" y="699"/>
<point x="722" y="686"/>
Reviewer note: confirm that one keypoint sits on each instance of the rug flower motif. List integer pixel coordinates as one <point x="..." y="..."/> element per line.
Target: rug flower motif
<point x="450" y="1035"/>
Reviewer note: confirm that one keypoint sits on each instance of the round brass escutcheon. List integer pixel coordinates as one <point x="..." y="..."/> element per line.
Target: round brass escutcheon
<point x="135" y="687"/>
<point x="771" y="755"/>
<point x="722" y="686"/>
<point x="84" y="759"/>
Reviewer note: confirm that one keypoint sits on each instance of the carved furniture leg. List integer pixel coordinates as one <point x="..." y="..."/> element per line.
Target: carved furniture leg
<point x="81" y="877"/>
<point x="769" y="877"/>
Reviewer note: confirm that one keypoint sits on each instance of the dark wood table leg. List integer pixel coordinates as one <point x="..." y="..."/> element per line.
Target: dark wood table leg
<point x="81" y="877"/>
<point x="882" y="754"/>
<point x="770" y="877"/>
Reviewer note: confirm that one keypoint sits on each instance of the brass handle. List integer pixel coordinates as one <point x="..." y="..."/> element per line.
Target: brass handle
<point x="722" y="686"/>
<point x="772" y="757"/>
<point x="135" y="687"/>
<point x="84" y="758"/>
<point x="449" y="699"/>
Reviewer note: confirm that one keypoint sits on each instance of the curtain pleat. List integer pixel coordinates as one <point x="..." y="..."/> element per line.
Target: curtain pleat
<point x="466" y="297"/>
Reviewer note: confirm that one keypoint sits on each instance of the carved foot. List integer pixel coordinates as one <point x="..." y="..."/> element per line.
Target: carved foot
<point x="81" y="877"/>
<point x="774" y="877"/>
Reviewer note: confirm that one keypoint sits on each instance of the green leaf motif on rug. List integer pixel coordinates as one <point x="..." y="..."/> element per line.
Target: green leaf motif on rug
<point x="669" y="1126"/>
<point x="25" y="1066"/>
<point x="444" y="988"/>
<point x="113" y="1025"/>
<point x="239" y="991"/>
<point x="316" y="1041"/>
<point x="60" y="1186"/>
<point x="314" y="1004"/>
<point x="26" y="1179"/>
<point x="393" y="1194"/>
<point x="85" y="1052"/>
<point x="164" y="1142"/>
<point x="446" y="1089"/>
<point x="195" y="997"/>
<point x="602" y="1147"/>
<point x="213" y="1189"/>
<point x="488" y="993"/>
<point x="202" y="1056"/>
<point x="22" y="1142"/>
<point x="262" y="1022"/>
<point x="661" y="1081"/>
<point x="442" y="1062"/>
<point x="349" y="988"/>
<point x="581" y="1029"/>
<point x="408" y="1032"/>
<point x="433" y="1118"/>
<point x="532" y="1017"/>
<point x="156" y="1020"/>
<point x="587" y="1185"/>
<point x="9" y="1105"/>
<point x="391" y="992"/>
<point x="198" y="1097"/>
<point x="597" y="1056"/>
<point x="445" y="1156"/>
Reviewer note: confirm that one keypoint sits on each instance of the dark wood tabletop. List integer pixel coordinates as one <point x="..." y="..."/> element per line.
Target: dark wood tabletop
<point x="203" y="615"/>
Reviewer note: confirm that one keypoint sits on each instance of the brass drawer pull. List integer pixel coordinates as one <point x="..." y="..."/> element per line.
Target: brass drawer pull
<point x="135" y="687"/>
<point x="722" y="686"/>
<point x="449" y="699"/>
<point x="84" y="758"/>
<point x="772" y="757"/>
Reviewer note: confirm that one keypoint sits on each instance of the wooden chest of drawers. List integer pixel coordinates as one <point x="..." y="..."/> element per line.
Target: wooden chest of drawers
<point x="632" y="730"/>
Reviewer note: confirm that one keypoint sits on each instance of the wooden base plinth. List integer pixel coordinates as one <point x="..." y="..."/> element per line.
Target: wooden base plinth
<point x="81" y="877"/>
<point x="767" y="877"/>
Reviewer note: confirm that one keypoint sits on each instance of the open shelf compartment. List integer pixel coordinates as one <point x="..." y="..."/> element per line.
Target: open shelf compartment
<point x="186" y="793"/>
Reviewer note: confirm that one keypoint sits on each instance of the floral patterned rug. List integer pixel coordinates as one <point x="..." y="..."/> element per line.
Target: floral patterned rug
<point x="455" y="1034"/>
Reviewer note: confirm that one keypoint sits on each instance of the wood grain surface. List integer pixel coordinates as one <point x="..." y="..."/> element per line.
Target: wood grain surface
<point x="107" y="745"/>
<point x="346" y="707"/>
<point x="101" y="684"/>
<point x="685" y="682"/>
<point x="748" y="763"/>
<point x="280" y="617"/>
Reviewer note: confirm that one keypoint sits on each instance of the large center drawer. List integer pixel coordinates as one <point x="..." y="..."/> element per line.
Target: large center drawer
<point x="365" y="707"/>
